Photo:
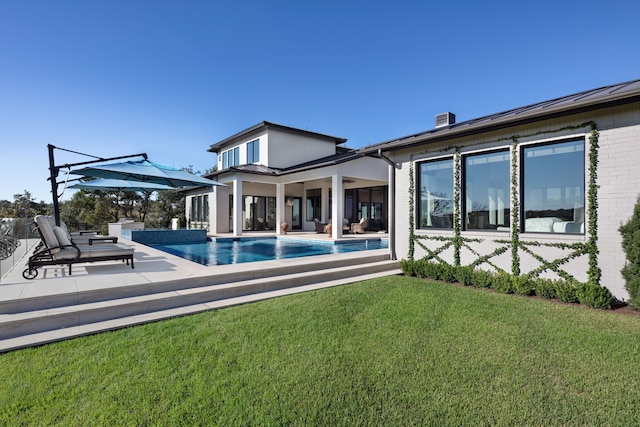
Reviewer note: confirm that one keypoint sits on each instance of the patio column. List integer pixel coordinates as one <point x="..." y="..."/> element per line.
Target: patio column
<point x="237" y="207"/>
<point x="337" y="206"/>
<point x="280" y="200"/>
<point x="213" y="211"/>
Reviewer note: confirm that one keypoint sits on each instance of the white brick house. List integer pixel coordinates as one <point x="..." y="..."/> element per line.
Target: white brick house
<point x="522" y="178"/>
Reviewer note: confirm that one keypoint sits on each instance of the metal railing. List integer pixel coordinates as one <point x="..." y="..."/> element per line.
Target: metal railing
<point x="16" y="237"/>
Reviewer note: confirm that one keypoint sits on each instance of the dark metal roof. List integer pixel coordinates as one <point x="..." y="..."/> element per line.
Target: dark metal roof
<point x="594" y="99"/>
<point x="335" y="159"/>
<point x="260" y="127"/>
<point x="252" y="168"/>
<point x="315" y="164"/>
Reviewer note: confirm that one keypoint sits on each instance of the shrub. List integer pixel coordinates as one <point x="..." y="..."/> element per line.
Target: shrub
<point x="631" y="244"/>
<point x="428" y="269"/>
<point x="408" y="267"/>
<point x="464" y="275"/>
<point x="447" y="273"/>
<point x="565" y="291"/>
<point x="545" y="288"/>
<point x="523" y="286"/>
<point x="594" y="296"/>
<point x="481" y="278"/>
<point x="502" y="282"/>
<point x="420" y="268"/>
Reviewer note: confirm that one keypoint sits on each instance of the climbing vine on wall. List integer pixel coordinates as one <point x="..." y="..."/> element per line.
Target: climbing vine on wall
<point x="592" y="200"/>
<point x="458" y="242"/>
<point x="515" y="210"/>
<point x="411" y="217"/>
<point x="457" y="238"/>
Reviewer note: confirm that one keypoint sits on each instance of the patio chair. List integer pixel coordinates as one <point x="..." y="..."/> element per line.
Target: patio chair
<point x="359" y="228"/>
<point x="346" y="227"/>
<point x="320" y="227"/>
<point x="57" y="249"/>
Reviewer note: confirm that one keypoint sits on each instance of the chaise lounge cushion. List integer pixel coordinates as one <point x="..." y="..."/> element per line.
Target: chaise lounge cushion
<point x="62" y="236"/>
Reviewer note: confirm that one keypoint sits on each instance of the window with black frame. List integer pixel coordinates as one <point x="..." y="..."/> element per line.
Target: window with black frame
<point x="435" y="194"/>
<point x="314" y="204"/>
<point x="486" y="191"/>
<point x="553" y="183"/>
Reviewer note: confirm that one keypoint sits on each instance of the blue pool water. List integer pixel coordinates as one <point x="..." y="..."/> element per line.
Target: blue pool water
<point x="247" y="249"/>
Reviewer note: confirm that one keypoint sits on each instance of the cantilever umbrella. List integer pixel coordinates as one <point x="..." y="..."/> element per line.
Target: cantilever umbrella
<point x="146" y="171"/>
<point x="119" y="185"/>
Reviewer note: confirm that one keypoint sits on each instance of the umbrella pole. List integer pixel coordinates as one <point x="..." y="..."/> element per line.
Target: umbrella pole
<point x="54" y="184"/>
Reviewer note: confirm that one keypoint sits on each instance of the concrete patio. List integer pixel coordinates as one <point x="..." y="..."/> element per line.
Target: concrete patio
<point x="110" y="295"/>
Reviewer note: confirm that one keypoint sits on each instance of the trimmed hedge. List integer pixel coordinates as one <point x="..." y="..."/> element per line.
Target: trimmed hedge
<point x="589" y="294"/>
<point x="594" y="296"/>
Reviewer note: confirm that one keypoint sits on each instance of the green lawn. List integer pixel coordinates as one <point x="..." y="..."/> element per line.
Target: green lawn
<point x="392" y="351"/>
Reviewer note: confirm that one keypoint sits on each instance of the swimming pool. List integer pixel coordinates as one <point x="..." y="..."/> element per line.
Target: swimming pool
<point x="222" y="251"/>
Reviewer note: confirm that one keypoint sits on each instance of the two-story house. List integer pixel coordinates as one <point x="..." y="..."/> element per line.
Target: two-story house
<point x="275" y="174"/>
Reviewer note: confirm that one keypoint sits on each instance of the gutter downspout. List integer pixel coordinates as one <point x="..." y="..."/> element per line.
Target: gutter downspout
<point x="392" y="200"/>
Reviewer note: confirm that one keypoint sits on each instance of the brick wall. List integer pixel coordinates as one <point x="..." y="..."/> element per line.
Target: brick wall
<point x="618" y="180"/>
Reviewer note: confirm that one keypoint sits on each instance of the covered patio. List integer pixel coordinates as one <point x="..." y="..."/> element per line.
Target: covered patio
<point x="257" y="198"/>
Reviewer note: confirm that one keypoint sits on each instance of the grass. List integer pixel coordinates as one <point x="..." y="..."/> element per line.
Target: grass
<point x="391" y="351"/>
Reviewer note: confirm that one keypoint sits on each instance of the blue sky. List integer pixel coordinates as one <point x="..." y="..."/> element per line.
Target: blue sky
<point x="169" y="78"/>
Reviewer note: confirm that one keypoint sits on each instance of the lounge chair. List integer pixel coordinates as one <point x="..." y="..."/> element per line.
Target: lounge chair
<point x="320" y="227"/>
<point x="57" y="249"/>
<point x="359" y="227"/>
<point x="83" y="237"/>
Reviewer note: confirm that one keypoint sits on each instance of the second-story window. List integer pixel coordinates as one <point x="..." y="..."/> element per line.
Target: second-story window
<point x="236" y="156"/>
<point x="253" y="151"/>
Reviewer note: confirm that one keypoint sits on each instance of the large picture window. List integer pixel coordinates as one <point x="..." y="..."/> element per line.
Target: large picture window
<point x="435" y="194"/>
<point x="553" y="186"/>
<point x="314" y="204"/>
<point x="486" y="191"/>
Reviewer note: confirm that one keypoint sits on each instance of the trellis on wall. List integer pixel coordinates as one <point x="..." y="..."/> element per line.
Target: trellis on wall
<point x="458" y="242"/>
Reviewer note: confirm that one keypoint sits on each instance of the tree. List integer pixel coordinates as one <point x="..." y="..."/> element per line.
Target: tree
<point x="631" y="244"/>
<point x="6" y="209"/>
<point x="25" y="206"/>
<point x="169" y="204"/>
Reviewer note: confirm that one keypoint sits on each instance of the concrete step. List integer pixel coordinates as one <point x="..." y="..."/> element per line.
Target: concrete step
<point x="111" y="293"/>
<point x="42" y="325"/>
<point x="109" y="325"/>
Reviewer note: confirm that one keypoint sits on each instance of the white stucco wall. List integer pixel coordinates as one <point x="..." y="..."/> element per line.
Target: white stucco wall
<point x="288" y="149"/>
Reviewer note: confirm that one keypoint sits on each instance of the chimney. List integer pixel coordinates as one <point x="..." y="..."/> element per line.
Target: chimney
<point x="445" y="119"/>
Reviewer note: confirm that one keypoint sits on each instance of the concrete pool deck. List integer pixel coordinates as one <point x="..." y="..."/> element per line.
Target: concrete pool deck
<point x="154" y="268"/>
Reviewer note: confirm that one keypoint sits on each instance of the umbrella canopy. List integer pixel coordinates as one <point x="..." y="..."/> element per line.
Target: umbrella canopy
<point x="119" y="185"/>
<point x="146" y="171"/>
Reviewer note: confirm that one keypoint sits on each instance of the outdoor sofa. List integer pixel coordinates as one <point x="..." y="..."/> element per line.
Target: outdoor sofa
<point x="57" y="248"/>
